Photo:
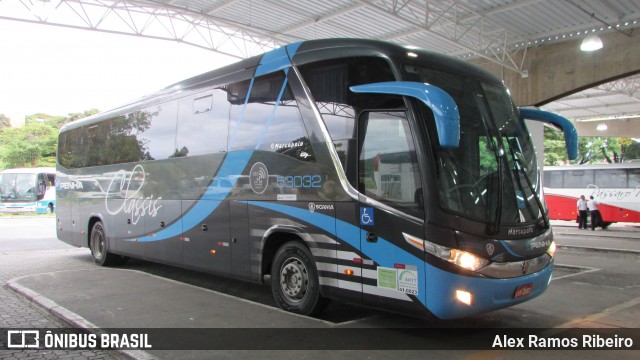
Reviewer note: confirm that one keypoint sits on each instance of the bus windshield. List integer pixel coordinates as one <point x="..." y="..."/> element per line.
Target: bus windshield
<point x="18" y="187"/>
<point x="492" y="176"/>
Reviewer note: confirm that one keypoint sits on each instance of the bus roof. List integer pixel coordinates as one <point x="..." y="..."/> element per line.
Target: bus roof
<point x="306" y="52"/>
<point x="632" y="165"/>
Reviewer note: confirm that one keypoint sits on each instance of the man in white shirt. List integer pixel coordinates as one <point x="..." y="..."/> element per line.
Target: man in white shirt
<point x="596" y="219"/>
<point x="582" y="213"/>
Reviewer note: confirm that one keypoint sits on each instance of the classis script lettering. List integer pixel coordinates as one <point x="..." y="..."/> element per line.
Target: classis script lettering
<point x="133" y="204"/>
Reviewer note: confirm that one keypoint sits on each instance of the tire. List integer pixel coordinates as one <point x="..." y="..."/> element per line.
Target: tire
<point x="100" y="247"/>
<point x="294" y="280"/>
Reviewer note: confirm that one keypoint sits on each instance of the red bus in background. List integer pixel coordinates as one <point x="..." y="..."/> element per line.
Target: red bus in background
<point x="615" y="186"/>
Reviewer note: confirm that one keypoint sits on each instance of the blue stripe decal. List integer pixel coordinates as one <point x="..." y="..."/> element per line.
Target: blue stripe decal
<point x="235" y="162"/>
<point x="506" y="246"/>
<point x="382" y="252"/>
<point x="233" y="165"/>
<point x="241" y="118"/>
<point x="278" y="59"/>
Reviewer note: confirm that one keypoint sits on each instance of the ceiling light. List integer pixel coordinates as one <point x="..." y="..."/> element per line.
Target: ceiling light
<point x="602" y="127"/>
<point x="591" y="43"/>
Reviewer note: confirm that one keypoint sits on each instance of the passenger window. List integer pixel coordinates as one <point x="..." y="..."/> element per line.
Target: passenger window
<point x="634" y="178"/>
<point x="553" y="179"/>
<point x="203" y="124"/>
<point x="203" y="104"/>
<point x="611" y="178"/>
<point x="271" y="120"/>
<point x="158" y="138"/>
<point x="578" y="178"/>
<point x="388" y="167"/>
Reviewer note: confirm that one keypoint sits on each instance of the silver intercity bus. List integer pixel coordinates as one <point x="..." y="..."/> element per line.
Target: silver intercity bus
<point x="345" y="169"/>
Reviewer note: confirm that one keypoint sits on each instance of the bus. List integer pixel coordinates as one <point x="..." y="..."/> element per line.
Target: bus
<point x="346" y="169"/>
<point x="615" y="186"/>
<point x="28" y="190"/>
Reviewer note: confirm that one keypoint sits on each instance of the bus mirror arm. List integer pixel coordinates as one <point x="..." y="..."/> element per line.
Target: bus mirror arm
<point x="445" y="110"/>
<point x="570" y="132"/>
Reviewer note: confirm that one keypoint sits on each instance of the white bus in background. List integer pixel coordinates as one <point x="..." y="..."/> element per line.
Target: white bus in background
<point x="28" y="190"/>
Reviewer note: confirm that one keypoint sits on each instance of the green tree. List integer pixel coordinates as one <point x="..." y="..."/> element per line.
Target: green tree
<point x="4" y="122"/>
<point x="555" y="151"/>
<point x="630" y="149"/>
<point x="595" y="149"/>
<point x="31" y="145"/>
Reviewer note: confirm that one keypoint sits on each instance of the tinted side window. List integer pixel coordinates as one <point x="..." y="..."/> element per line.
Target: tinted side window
<point x="97" y="139"/>
<point x="329" y="83"/>
<point x="64" y="150"/>
<point x="123" y="146"/>
<point x="159" y="139"/>
<point x="611" y="178"/>
<point x="270" y="121"/>
<point x="553" y="179"/>
<point x="72" y="148"/>
<point x="578" y="178"/>
<point x="203" y="122"/>
<point x="634" y="178"/>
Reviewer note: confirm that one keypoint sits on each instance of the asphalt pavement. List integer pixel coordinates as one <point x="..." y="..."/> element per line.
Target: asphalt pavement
<point x="67" y="289"/>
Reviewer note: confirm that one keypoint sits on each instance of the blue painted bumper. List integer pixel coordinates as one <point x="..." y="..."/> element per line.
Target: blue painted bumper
<point x="489" y="294"/>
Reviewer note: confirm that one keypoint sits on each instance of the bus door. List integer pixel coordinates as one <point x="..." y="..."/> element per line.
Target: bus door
<point x="391" y="208"/>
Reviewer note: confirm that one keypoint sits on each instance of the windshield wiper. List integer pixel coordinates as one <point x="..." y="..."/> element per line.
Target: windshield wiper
<point x="520" y="165"/>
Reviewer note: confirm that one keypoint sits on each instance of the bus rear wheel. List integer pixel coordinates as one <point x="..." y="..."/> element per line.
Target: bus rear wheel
<point x="294" y="280"/>
<point x="100" y="249"/>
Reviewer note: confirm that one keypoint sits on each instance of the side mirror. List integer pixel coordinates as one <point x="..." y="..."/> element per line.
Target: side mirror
<point x="570" y="132"/>
<point x="442" y="104"/>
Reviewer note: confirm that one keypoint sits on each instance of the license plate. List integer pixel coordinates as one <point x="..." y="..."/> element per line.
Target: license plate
<point x="522" y="291"/>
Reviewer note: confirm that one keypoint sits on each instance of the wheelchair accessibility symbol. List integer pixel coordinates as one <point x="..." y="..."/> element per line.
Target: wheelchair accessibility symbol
<point x="366" y="216"/>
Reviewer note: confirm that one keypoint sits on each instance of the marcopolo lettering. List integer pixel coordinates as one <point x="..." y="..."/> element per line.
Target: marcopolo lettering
<point x="520" y="231"/>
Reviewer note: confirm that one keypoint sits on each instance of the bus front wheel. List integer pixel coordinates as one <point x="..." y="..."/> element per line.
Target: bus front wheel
<point x="99" y="247"/>
<point x="294" y="280"/>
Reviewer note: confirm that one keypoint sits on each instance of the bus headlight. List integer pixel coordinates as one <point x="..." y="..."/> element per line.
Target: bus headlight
<point x="552" y="249"/>
<point x="467" y="260"/>
<point x="461" y="258"/>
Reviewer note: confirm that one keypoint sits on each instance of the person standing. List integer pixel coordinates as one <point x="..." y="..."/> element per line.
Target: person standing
<point x="582" y="213"/>
<point x="596" y="219"/>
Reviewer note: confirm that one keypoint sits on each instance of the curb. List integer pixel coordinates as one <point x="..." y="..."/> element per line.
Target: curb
<point x="70" y="318"/>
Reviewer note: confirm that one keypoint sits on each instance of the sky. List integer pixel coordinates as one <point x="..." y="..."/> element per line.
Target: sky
<point x="57" y="71"/>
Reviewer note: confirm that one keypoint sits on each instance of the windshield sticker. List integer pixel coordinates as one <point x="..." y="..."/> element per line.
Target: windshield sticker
<point x="402" y="278"/>
<point x="387" y="278"/>
<point x="408" y="281"/>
